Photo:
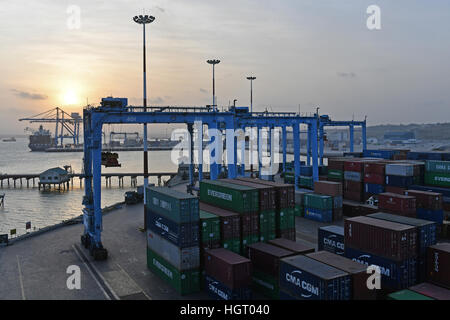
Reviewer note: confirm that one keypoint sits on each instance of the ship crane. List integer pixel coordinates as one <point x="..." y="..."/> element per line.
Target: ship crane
<point x="66" y="125"/>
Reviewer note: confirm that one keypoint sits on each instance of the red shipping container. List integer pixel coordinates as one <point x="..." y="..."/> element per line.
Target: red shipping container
<point x="374" y="178"/>
<point x="353" y="165"/>
<point x="353" y="195"/>
<point x="397" y="190"/>
<point x="355" y="186"/>
<point x="336" y="163"/>
<point x="397" y="203"/>
<point x="383" y="238"/>
<point x="432" y="291"/>
<point x="233" y="270"/>
<point x="438" y="257"/>
<point x="266" y="257"/>
<point x="249" y="224"/>
<point x="426" y="199"/>
<point x="328" y="188"/>
<point x="374" y="168"/>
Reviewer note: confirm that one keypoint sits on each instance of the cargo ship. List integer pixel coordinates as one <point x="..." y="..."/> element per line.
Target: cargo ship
<point x="41" y="140"/>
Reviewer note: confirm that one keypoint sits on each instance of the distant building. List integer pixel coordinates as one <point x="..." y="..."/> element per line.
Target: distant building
<point x="54" y="176"/>
<point x="400" y="137"/>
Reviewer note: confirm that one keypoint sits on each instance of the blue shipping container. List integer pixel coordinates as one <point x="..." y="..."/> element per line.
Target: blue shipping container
<point x="319" y="215"/>
<point x="394" y="274"/>
<point x="218" y="291"/>
<point x="306" y="171"/>
<point x="331" y="238"/>
<point x="431" y="215"/>
<point x="299" y="277"/>
<point x="337" y="202"/>
<point x="183" y="235"/>
<point x="399" y="181"/>
<point x="373" y="188"/>
<point x="425" y="156"/>
<point x="382" y="154"/>
<point x="445" y="191"/>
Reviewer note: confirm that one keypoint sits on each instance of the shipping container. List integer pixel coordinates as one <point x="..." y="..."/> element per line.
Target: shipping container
<point x="267" y="225"/>
<point x="218" y="291"/>
<point x="397" y="190"/>
<point x="177" y="206"/>
<point x="287" y="234"/>
<point x="318" y="201"/>
<point x="353" y="176"/>
<point x="306" y="171"/>
<point x="331" y="239"/>
<point x="397" y="203"/>
<point x="231" y="269"/>
<point x="306" y="182"/>
<point x="374" y="178"/>
<point x="180" y="258"/>
<point x="444" y="191"/>
<point x="285" y="219"/>
<point x="182" y="235"/>
<point x="382" y="154"/>
<point x="394" y="274"/>
<point x="432" y="291"/>
<point x="184" y="282"/>
<point x="407" y="295"/>
<point x="285" y="192"/>
<point x="431" y="215"/>
<point x="366" y="209"/>
<point x="234" y="245"/>
<point x="229" y="196"/>
<point x="230" y="222"/>
<point x="438" y="257"/>
<point x="438" y="166"/>
<point x="357" y="271"/>
<point x="400" y="169"/>
<point x="266" y="257"/>
<point x="300" y="247"/>
<point x="399" y="181"/>
<point x="353" y="186"/>
<point x="351" y="208"/>
<point x="250" y="224"/>
<point x="336" y="164"/>
<point x="248" y="240"/>
<point x="375" y="168"/>
<point x="309" y="279"/>
<point x="354" y="195"/>
<point x="322" y="215"/>
<point x="353" y="165"/>
<point x="209" y="227"/>
<point x="267" y="194"/>
<point x="299" y="196"/>
<point x="266" y="284"/>
<point x="426" y="200"/>
<point x="373" y="188"/>
<point x="338" y="214"/>
<point x="328" y="188"/>
<point x="335" y="174"/>
<point x="387" y="239"/>
<point x="437" y="179"/>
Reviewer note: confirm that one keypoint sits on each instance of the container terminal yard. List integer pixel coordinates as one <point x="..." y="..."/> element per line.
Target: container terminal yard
<point x="237" y="221"/>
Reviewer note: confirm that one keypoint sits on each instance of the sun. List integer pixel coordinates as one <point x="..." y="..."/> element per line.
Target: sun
<point x="70" y="97"/>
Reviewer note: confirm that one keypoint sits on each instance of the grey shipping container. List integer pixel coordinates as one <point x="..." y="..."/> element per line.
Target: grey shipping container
<point x="180" y="258"/>
<point x="309" y="279"/>
<point x="177" y="206"/>
<point x="400" y="169"/>
<point x="357" y="271"/>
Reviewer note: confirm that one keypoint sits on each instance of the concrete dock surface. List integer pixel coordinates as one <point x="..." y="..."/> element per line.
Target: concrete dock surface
<point x="36" y="268"/>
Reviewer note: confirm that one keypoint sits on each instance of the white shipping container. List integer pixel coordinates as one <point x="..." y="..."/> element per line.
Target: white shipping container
<point x="400" y="169"/>
<point x="352" y="176"/>
<point x="180" y="258"/>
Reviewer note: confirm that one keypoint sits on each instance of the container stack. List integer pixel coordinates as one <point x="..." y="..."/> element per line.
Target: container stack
<point x="285" y="203"/>
<point x="397" y="204"/>
<point x="374" y="178"/>
<point x="299" y="209"/>
<point x="209" y="233"/>
<point x="439" y="264"/>
<point x="331" y="239"/>
<point x="426" y="236"/>
<point x="303" y="278"/>
<point x="333" y="189"/>
<point x="390" y="246"/>
<point x="173" y="251"/>
<point x="429" y="205"/>
<point x="306" y="179"/>
<point x="266" y="213"/>
<point x="437" y="173"/>
<point x="336" y="169"/>
<point x="353" y="180"/>
<point x="227" y="275"/>
<point x="400" y="175"/>
<point x="318" y="207"/>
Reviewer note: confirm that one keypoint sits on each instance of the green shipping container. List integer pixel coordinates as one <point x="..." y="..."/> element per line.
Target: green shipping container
<point x="306" y="182"/>
<point x="299" y="211"/>
<point x="335" y="174"/>
<point x="437" y="179"/>
<point x="176" y="206"/>
<point x="267" y="221"/>
<point x="229" y="196"/>
<point x="267" y="235"/>
<point x="289" y="178"/>
<point x="318" y="201"/>
<point x="285" y="218"/>
<point x="265" y="284"/>
<point x="250" y="239"/>
<point x="185" y="282"/>
<point x="407" y="295"/>
<point x="209" y="226"/>
<point x="437" y="166"/>
<point x="232" y="245"/>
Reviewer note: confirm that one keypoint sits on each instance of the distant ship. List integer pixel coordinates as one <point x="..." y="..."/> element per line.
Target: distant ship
<point x="41" y="140"/>
<point x="12" y="139"/>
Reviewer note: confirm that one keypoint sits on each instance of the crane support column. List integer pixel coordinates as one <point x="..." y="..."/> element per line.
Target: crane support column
<point x="364" y="136"/>
<point x="284" y="147"/>
<point x="243" y="153"/>
<point x="214" y="151"/>
<point x="199" y="139"/>
<point x="259" y="142"/>
<point x="321" y="146"/>
<point x="296" y="139"/>
<point x="231" y="151"/>
<point x="308" y="146"/>
<point x="191" y="153"/>
<point x="351" y="138"/>
<point x="314" y="151"/>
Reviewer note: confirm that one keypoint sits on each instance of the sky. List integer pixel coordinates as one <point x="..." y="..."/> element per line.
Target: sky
<point x="304" y="53"/>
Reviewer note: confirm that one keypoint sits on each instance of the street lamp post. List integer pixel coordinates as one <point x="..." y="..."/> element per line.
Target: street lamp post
<point x="251" y="131"/>
<point x="213" y="62"/>
<point x="146" y="19"/>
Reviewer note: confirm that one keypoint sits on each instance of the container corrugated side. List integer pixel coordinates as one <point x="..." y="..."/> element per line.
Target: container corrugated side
<point x="318" y="201"/>
<point x="266" y="284"/>
<point x="218" y="291"/>
<point x="437" y="166"/>
<point x="180" y="258"/>
<point x="438" y="257"/>
<point x="209" y="227"/>
<point x="400" y="169"/>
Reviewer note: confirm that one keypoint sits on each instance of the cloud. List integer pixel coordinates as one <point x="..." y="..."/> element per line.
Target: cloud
<point x="157" y="100"/>
<point x="346" y="74"/>
<point x="28" y="95"/>
<point x="203" y="90"/>
<point x="160" y="9"/>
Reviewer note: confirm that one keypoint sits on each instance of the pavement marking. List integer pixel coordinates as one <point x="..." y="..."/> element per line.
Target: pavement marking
<point x="88" y="266"/>
<point x="20" y="278"/>
<point x="127" y="274"/>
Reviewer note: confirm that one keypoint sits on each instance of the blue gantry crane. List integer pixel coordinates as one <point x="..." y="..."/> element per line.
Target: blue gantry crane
<point x="116" y="111"/>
